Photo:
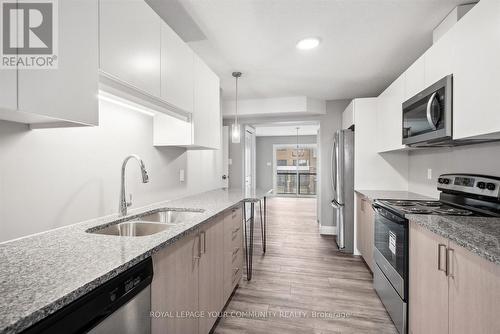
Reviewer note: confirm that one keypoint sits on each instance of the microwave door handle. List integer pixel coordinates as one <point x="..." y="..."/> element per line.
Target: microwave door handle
<point x="429" y="116"/>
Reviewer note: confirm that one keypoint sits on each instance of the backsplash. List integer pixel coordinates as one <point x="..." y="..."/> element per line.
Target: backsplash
<point x="472" y="159"/>
<point x="54" y="177"/>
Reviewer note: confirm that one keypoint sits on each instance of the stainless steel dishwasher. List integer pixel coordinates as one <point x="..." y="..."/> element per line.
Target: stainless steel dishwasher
<point x="121" y="305"/>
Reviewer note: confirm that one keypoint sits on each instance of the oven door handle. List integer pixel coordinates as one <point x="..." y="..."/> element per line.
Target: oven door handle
<point x="376" y="207"/>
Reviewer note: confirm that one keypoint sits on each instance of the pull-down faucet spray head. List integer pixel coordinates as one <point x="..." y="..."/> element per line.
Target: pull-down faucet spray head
<point x="145" y="179"/>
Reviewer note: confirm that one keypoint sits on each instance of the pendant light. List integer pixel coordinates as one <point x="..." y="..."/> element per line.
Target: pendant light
<point x="235" y="127"/>
<point x="299" y="152"/>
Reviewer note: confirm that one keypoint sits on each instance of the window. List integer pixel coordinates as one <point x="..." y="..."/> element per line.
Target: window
<point x="295" y="173"/>
<point x="281" y="162"/>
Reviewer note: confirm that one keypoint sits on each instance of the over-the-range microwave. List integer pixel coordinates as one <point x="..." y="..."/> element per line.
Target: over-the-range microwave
<point x="427" y="116"/>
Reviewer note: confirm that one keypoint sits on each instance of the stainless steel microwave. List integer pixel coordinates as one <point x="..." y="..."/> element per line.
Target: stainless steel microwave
<point x="427" y="117"/>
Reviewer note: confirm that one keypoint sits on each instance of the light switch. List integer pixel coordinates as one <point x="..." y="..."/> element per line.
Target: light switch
<point x="429" y="174"/>
<point x="181" y="175"/>
<point x="269" y="164"/>
<point x="229" y="161"/>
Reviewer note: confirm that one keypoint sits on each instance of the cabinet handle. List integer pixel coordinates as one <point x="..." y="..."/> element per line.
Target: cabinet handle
<point x="197" y="257"/>
<point x="440" y="267"/>
<point x="236" y="250"/>
<point x="449" y="263"/>
<point x="204" y="234"/>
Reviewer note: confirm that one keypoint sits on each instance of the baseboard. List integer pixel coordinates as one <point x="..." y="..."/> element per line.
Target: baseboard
<point x="328" y="230"/>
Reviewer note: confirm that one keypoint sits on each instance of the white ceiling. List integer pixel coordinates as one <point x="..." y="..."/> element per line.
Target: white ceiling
<point x="365" y="45"/>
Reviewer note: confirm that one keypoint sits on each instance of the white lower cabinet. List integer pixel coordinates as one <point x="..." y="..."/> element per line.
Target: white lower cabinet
<point x="451" y="290"/>
<point x="189" y="282"/>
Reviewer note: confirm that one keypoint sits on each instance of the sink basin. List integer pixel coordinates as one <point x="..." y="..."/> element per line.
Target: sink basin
<point x="133" y="229"/>
<point x="171" y="216"/>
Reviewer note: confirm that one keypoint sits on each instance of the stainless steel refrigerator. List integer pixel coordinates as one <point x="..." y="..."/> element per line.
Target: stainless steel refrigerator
<point x="342" y="179"/>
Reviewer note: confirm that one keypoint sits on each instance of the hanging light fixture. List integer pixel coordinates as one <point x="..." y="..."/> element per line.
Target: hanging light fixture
<point x="299" y="152"/>
<point x="235" y="127"/>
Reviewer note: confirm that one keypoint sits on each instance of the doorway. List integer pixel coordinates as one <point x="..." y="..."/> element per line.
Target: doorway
<point x="295" y="170"/>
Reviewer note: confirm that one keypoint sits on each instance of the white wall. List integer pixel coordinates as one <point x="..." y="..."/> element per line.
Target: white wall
<point x="472" y="159"/>
<point x="55" y="177"/>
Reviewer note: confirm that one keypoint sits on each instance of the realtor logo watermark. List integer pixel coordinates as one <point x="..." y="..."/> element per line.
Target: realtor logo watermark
<point x="29" y="37"/>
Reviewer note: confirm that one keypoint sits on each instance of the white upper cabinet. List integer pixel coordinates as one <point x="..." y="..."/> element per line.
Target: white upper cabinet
<point x="348" y="116"/>
<point x="207" y="120"/>
<point x="177" y="70"/>
<point x="130" y="48"/>
<point x="476" y="70"/>
<point x="66" y="95"/>
<point x="8" y="91"/>
<point x="390" y="116"/>
<point x="438" y="59"/>
<point x="415" y="78"/>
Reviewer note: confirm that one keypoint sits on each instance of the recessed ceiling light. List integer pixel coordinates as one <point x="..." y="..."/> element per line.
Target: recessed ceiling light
<point x="308" y="43"/>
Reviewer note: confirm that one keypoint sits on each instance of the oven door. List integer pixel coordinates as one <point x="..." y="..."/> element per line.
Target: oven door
<point x="427" y="116"/>
<point x="391" y="248"/>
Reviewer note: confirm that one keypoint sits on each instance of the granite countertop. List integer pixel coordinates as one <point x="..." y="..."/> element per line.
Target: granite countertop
<point x="478" y="234"/>
<point x="41" y="273"/>
<point x="393" y="194"/>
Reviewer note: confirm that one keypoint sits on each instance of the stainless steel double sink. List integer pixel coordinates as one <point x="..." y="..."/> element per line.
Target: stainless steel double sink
<point x="148" y="223"/>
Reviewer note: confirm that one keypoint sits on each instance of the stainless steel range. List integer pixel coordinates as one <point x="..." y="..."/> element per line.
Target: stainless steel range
<point x="461" y="195"/>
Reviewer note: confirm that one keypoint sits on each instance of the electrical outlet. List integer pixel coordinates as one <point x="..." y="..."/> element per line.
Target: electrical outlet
<point x="269" y="164"/>
<point x="429" y="174"/>
<point x="181" y="175"/>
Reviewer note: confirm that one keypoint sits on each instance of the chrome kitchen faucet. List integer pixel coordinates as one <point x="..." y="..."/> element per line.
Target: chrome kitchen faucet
<point x="122" y="210"/>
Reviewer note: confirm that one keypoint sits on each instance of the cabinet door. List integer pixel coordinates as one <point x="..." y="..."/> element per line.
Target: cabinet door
<point x="177" y="73"/>
<point x="428" y="286"/>
<point x="207" y="120"/>
<point x="211" y="273"/>
<point x="68" y="93"/>
<point x="390" y="116"/>
<point x="368" y="226"/>
<point x="8" y="90"/>
<point x="175" y="287"/>
<point x="360" y="231"/>
<point x="233" y="250"/>
<point x="130" y="43"/>
<point x="439" y="59"/>
<point x="476" y="72"/>
<point x="415" y="78"/>
<point x="474" y="287"/>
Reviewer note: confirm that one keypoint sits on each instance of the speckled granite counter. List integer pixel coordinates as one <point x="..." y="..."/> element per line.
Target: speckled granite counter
<point x="479" y="235"/>
<point x="42" y="273"/>
<point x="392" y="194"/>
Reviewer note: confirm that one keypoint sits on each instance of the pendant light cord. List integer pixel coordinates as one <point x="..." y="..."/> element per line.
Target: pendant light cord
<point x="236" y="115"/>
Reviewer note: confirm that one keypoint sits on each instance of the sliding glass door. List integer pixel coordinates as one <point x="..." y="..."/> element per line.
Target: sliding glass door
<point x="295" y="170"/>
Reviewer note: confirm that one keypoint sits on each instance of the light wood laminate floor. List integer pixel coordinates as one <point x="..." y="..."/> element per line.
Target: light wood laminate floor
<point x="302" y="276"/>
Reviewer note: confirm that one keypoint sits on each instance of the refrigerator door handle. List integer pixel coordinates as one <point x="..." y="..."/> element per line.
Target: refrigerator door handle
<point x="336" y="205"/>
<point x="333" y="171"/>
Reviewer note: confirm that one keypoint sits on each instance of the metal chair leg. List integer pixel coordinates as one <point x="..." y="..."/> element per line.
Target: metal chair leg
<point x="262" y="227"/>
<point x="246" y="239"/>
<point x="265" y="225"/>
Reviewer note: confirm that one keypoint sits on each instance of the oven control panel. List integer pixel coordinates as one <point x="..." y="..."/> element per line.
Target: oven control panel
<point x="470" y="184"/>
